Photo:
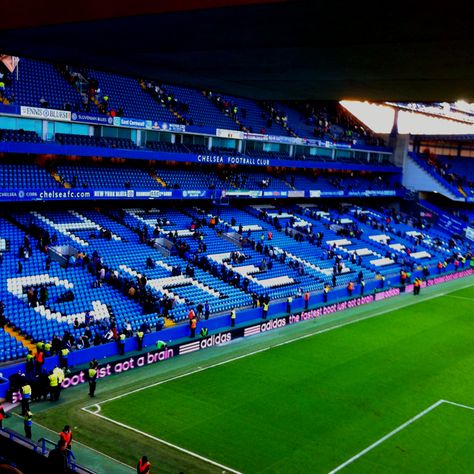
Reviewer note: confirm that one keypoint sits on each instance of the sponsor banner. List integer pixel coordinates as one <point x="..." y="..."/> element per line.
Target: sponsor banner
<point x="157" y="193"/>
<point x="470" y="233"/>
<point x="132" y="122"/>
<point x="123" y="365"/>
<point x="276" y="193"/>
<point x="243" y="192"/>
<point x="114" y="194"/>
<point x="52" y="114"/>
<point x="281" y="139"/>
<point x="450" y="277"/>
<point x="372" y="193"/>
<point x="167" y="127"/>
<point x="91" y="118"/>
<point x="296" y="194"/>
<point x="194" y="194"/>
<point x="255" y="136"/>
<point x="235" y="134"/>
<point x="235" y="160"/>
<point x="331" y="193"/>
<point x="451" y="224"/>
<point x="214" y="340"/>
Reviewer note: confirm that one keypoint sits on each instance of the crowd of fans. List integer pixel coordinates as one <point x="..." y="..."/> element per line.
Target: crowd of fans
<point x="6" y="96"/>
<point x="444" y="169"/>
<point x="167" y="99"/>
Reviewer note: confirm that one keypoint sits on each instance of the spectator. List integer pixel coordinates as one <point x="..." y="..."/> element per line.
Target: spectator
<point x="57" y="459"/>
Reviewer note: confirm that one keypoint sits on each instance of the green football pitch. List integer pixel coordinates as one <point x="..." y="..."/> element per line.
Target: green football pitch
<point x="387" y="388"/>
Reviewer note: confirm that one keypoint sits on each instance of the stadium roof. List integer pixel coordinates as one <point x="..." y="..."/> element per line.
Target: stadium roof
<point x="404" y="51"/>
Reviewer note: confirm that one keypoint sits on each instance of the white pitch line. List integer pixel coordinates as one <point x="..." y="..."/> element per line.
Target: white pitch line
<point x="264" y="349"/>
<point x="460" y="297"/>
<point x="396" y="430"/>
<point x="167" y="443"/>
<point x="389" y="435"/>
<point x="459" y="405"/>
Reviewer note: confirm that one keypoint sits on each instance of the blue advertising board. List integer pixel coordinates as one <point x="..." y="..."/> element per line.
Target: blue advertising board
<point x="85" y="117"/>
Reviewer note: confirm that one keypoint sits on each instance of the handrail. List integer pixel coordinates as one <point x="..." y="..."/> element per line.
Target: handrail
<point x="12" y="435"/>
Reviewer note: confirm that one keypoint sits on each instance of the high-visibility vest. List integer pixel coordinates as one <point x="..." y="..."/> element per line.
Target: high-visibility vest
<point x="92" y="373"/>
<point x="160" y="345"/>
<point x="122" y="337"/>
<point x="47" y="347"/>
<point x="26" y="391"/>
<point x="233" y="314"/>
<point x="28" y="420"/>
<point x="265" y="306"/>
<point x="193" y="323"/>
<point x="64" y="353"/>
<point x="39" y="346"/>
<point x="59" y="374"/>
<point x="39" y="357"/>
<point x="67" y="437"/>
<point x="29" y="358"/>
<point x="53" y="380"/>
<point x="144" y="467"/>
<point x="140" y="334"/>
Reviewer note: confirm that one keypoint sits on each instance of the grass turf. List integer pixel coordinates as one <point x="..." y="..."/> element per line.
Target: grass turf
<point x="310" y="405"/>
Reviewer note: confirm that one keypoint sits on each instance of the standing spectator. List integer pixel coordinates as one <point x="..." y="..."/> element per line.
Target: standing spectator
<point x="66" y="436"/>
<point x="140" y="335"/>
<point x="64" y="359"/>
<point x="2" y="314"/>
<point x="2" y="416"/>
<point x="306" y="299"/>
<point x="199" y="309"/>
<point x="121" y="343"/>
<point x="92" y="378"/>
<point x="143" y="466"/>
<point x="28" y="423"/>
<point x="192" y="327"/>
<point x="57" y="459"/>
<point x="30" y="365"/>
<point x="325" y="293"/>
<point x="39" y="361"/>
<point x="25" y="391"/>
<point x="54" y="387"/>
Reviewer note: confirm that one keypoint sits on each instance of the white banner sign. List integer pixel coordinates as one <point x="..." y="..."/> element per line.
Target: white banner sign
<point x="38" y="112"/>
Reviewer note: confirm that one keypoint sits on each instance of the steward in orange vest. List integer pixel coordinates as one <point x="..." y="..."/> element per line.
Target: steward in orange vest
<point x="144" y="466"/>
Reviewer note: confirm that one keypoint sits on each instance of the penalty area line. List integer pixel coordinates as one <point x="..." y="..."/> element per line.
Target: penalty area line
<point x="167" y="443"/>
<point x="396" y="430"/>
